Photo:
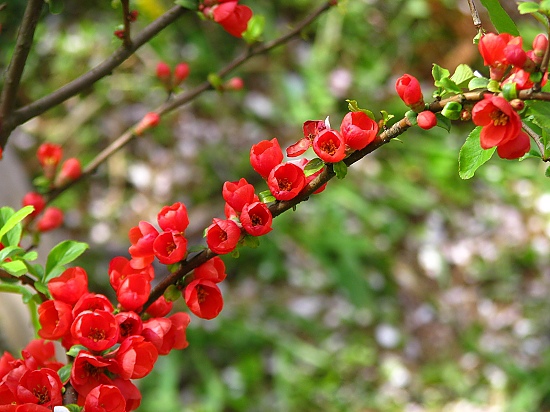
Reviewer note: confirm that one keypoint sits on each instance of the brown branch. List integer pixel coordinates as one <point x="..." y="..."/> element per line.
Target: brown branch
<point x="185" y="97"/>
<point x="127" y="41"/>
<point x="105" y="68"/>
<point x="14" y="72"/>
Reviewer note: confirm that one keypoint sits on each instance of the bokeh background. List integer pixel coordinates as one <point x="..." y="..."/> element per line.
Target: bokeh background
<point x="400" y="288"/>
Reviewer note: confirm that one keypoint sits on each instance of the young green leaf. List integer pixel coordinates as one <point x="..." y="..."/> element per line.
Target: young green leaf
<point x="313" y="166"/>
<point x="500" y="19"/>
<point x="528" y="7"/>
<point x="354" y="107"/>
<point x="15" y="268"/>
<point x="472" y="156"/>
<point x="462" y="75"/>
<point x="443" y="122"/>
<point x="63" y="253"/>
<point x="341" y="169"/>
<point x="478" y="83"/>
<point x="439" y="73"/>
<point x="255" y="29"/>
<point x="11" y="219"/>
<point x="266" y="196"/>
<point x="65" y="372"/>
<point x="10" y="251"/>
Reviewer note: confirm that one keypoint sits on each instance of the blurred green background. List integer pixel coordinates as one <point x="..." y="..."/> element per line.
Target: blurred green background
<point x="400" y="288"/>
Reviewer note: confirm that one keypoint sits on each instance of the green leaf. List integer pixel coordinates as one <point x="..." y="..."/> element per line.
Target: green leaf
<point x="500" y="19"/>
<point x="266" y="197"/>
<point x="341" y="169"/>
<point x="10" y="251"/>
<point x="439" y="73"/>
<point x="56" y="6"/>
<point x="472" y="156"/>
<point x="63" y="253"/>
<point x="255" y="29"/>
<point x="251" y="241"/>
<point x="75" y="350"/>
<point x="65" y="372"/>
<point x="172" y="293"/>
<point x="443" y="122"/>
<point x="547" y="173"/>
<point x="478" y="83"/>
<point x="313" y="166"/>
<point x="30" y="256"/>
<point x="188" y="4"/>
<point x="10" y="224"/>
<point x="354" y="107"/>
<point x="42" y="288"/>
<point x="16" y="268"/>
<point x="540" y="113"/>
<point x="448" y="85"/>
<point x="215" y="81"/>
<point x="528" y="7"/>
<point x="462" y="75"/>
<point x="72" y="407"/>
<point x="411" y="115"/>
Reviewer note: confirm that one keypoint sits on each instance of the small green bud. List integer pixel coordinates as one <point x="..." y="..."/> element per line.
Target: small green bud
<point x="452" y="110"/>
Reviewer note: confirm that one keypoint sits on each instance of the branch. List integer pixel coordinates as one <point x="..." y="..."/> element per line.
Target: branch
<point x="127" y="41"/>
<point x="17" y="64"/>
<point x="279" y="207"/>
<point x="185" y="97"/>
<point x="105" y="68"/>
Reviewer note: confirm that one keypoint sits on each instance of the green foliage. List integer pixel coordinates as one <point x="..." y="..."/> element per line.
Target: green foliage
<point x="472" y="156"/>
<point x="500" y="19"/>
<point x="63" y="253"/>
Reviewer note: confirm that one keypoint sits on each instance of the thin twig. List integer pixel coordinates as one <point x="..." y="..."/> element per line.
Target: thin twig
<point x="126" y="40"/>
<point x="105" y="68"/>
<point x="537" y="139"/>
<point x="475" y="16"/>
<point x="15" y="69"/>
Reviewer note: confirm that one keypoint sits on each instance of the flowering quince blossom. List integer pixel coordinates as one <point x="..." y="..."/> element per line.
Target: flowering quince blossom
<point x="50" y="220"/>
<point x="89" y="371"/>
<point x="256" y="219"/>
<point x="70" y="286"/>
<point x="233" y="17"/>
<point x="170" y="247"/>
<point x="358" y="130"/>
<point x="173" y="217"/>
<point x="222" y="236"/>
<point x="105" y="398"/>
<point x="55" y="319"/>
<point x="129" y="323"/>
<point x="515" y="148"/>
<point x="134" y="291"/>
<point x="213" y="270"/>
<point x="134" y="358"/>
<point x="237" y="194"/>
<point x="71" y="169"/>
<point x="499" y="121"/>
<point x="329" y="145"/>
<point x="92" y="302"/>
<point x="142" y="238"/>
<point x="35" y="200"/>
<point x="96" y="330"/>
<point x="41" y="387"/>
<point x="265" y="155"/>
<point x="159" y="308"/>
<point x="203" y="298"/>
<point x="286" y="180"/>
<point x="49" y="155"/>
<point x="120" y="268"/>
<point x="426" y="120"/>
<point x="492" y="48"/>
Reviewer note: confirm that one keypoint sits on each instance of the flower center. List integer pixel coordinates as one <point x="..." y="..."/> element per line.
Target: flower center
<point x="201" y="295"/>
<point x="223" y="236"/>
<point x="256" y="220"/>
<point x="96" y="334"/>
<point x="284" y="184"/>
<point x="499" y="118"/>
<point x="41" y="392"/>
<point x="329" y="147"/>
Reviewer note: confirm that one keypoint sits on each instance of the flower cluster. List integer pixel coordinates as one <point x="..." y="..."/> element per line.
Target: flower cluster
<point x="233" y="17"/>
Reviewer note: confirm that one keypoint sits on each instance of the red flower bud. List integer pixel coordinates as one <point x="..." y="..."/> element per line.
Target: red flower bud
<point x="540" y="44"/>
<point x="49" y="155"/>
<point x="134" y="291"/>
<point x="358" y="130"/>
<point x="213" y="270"/>
<point x="119" y="34"/>
<point x="232" y="17"/>
<point x="164" y="73"/>
<point x="133" y="16"/>
<point x="173" y="217"/>
<point x="265" y="155"/>
<point x="181" y="72"/>
<point x="235" y="83"/>
<point x="237" y="194"/>
<point x="426" y="119"/>
<point x="150" y="120"/>
<point x="50" y="220"/>
<point x="408" y="89"/>
<point x="70" y="170"/>
<point x="36" y="200"/>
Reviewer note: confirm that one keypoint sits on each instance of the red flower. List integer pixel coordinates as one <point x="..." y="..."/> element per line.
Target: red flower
<point x="142" y="238"/>
<point x="134" y="358"/>
<point x="311" y="129"/>
<point x="154" y="331"/>
<point x="36" y="200"/>
<point x="213" y="270"/>
<point x="256" y="219"/>
<point x="5" y="365"/>
<point x="170" y="247"/>
<point x="55" y="318"/>
<point x="426" y="120"/>
<point x="70" y="286"/>
<point x="120" y="268"/>
<point x="232" y="17"/>
<point x="92" y="301"/>
<point x="70" y="170"/>
<point x="203" y="298"/>
<point x="50" y="220"/>
<point x="130" y="392"/>
<point x="176" y="337"/>
<point x="222" y="236"/>
<point x="173" y="217"/>
<point x="235" y="84"/>
<point x="285" y="181"/>
<point x="96" y="330"/>
<point x="105" y="398"/>
<point x="43" y="352"/>
<point x="265" y="155"/>
<point x="129" y="323"/>
<point x="237" y="194"/>
<point x="515" y="148"/>
<point x="134" y="291"/>
<point x="491" y="47"/>
<point x="408" y="89"/>
<point x="500" y="123"/>
<point x="149" y="121"/>
<point x="42" y="387"/>
<point x="88" y="371"/>
<point x="329" y="146"/>
<point x="159" y="308"/>
<point x="514" y="53"/>
<point x="49" y="155"/>
<point x="358" y="130"/>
